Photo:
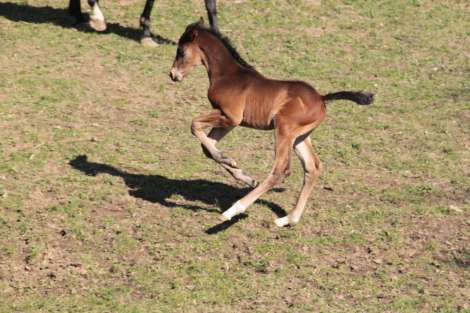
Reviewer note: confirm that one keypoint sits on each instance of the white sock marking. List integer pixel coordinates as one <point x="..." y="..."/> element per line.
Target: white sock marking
<point x="235" y="209"/>
<point x="283" y="221"/>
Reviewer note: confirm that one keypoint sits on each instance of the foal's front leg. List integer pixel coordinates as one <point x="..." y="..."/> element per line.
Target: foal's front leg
<point x="217" y="134"/>
<point x="279" y="172"/>
<point x="221" y="125"/>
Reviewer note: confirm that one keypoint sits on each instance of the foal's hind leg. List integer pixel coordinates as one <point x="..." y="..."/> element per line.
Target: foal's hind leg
<point x="312" y="169"/>
<point x="97" y="21"/>
<point x="280" y="170"/>
<point x="221" y="126"/>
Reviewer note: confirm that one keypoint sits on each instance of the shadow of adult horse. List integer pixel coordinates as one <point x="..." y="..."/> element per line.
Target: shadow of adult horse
<point x="159" y="189"/>
<point x="18" y="12"/>
<point x="97" y="21"/>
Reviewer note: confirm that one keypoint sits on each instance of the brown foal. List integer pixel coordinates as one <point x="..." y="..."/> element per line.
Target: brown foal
<point x="240" y="95"/>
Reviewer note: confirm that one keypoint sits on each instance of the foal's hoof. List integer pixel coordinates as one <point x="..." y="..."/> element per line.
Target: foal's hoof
<point x="227" y="161"/>
<point x="97" y="25"/>
<point x="224" y="218"/>
<point x="243" y="178"/>
<point x="235" y="209"/>
<point x="148" y="42"/>
<point x="282" y="221"/>
<point x="253" y="183"/>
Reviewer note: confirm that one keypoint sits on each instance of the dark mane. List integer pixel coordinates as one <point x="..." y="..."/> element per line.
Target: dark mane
<point x="225" y="41"/>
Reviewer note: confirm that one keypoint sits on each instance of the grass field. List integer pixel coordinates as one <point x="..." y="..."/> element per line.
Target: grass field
<point x="107" y="203"/>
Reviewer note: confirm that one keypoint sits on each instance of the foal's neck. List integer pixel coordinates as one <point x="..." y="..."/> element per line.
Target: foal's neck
<point x="216" y="58"/>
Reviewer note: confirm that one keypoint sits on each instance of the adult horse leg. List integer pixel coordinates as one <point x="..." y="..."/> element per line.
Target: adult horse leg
<point x="312" y="169"/>
<point x="146" y="38"/>
<point x="212" y="14"/>
<point x="97" y="21"/>
<point x="284" y="143"/>
<point x="221" y="125"/>
<point x="76" y="11"/>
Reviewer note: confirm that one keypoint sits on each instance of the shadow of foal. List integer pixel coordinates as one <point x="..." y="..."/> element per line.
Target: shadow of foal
<point x="158" y="189"/>
<point x="17" y="12"/>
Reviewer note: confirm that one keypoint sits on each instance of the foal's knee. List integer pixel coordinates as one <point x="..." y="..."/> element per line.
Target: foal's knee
<point x="195" y="127"/>
<point x="318" y="165"/>
<point x="278" y="176"/>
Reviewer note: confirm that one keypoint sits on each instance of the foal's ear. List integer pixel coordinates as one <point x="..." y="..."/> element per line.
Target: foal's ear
<point x="201" y="22"/>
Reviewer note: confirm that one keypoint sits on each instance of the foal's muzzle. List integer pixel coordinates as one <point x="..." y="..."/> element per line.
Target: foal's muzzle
<point x="176" y="75"/>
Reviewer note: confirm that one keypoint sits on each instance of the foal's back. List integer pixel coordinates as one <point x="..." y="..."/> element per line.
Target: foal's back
<point x="261" y="100"/>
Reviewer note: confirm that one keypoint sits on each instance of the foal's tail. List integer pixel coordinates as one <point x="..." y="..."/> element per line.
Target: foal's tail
<point x="362" y="98"/>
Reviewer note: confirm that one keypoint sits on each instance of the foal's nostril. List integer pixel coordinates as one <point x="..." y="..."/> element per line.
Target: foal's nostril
<point x="175" y="75"/>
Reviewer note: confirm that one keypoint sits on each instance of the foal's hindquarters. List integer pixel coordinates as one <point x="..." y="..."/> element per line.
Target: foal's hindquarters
<point x="297" y="109"/>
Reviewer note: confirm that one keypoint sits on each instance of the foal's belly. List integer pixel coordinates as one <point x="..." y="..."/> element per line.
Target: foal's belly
<point x="258" y="117"/>
<point x="266" y="126"/>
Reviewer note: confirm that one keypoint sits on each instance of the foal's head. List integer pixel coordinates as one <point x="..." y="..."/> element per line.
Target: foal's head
<point x="188" y="53"/>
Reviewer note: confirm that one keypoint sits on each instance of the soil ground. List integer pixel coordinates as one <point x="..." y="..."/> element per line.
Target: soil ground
<point x="107" y="203"/>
